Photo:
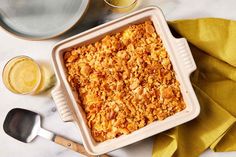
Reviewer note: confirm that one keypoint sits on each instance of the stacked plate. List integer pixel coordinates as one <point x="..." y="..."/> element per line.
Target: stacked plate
<point x="37" y="20"/>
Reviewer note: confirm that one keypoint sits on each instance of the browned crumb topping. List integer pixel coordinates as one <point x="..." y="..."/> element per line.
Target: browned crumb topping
<point x="124" y="81"/>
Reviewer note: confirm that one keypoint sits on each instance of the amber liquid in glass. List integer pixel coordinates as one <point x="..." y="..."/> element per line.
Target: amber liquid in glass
<point x="22" y="75"/>
<point x="121" y="5"/>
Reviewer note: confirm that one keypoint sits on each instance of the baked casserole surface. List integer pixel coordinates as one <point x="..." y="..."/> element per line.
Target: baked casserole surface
<point x="124" y="81"/>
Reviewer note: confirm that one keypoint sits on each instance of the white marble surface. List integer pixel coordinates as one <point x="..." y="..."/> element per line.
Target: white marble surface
<point x="11" y="46"/>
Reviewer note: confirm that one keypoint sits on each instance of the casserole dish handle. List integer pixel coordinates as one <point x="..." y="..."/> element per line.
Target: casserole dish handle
<point x="185" y="55"/>
<point x="61" y="102"/>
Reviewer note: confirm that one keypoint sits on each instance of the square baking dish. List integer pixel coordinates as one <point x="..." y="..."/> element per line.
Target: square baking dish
<point x="182" y="61"/>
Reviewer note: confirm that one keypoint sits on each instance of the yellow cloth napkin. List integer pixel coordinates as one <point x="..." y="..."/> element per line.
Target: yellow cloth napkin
<point x="213" y="45"/>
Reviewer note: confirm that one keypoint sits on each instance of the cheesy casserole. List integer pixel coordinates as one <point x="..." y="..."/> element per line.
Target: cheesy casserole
<point x="124" y="81"/>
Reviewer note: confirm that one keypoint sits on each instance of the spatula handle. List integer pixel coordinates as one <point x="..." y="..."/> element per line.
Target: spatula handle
<point x="74" y="146"/>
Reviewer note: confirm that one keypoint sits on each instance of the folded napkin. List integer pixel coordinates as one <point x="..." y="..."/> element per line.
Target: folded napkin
<point x="213" y="45"/>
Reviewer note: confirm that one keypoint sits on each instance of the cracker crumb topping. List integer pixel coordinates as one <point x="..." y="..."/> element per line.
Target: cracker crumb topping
<point x="124" y="81"/>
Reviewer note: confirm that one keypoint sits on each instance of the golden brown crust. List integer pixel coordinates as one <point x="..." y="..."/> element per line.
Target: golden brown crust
<point x="125" y="81"/>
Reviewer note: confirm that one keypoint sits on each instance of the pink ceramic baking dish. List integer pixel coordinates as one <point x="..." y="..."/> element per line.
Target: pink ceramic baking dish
<point x="180" y="56"/>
